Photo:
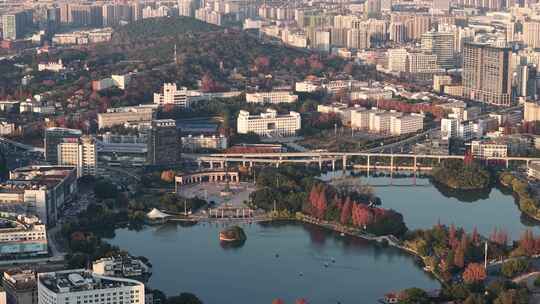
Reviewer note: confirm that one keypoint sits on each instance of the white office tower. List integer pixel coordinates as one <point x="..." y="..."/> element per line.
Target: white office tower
<point x="81" y="153"/>
<point x="172" y="95"/>
<point x="79" y="286"/>
<point x="269" y="123"/>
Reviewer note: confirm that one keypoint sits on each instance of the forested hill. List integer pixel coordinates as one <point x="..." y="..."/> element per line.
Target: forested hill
<point x="155" y="28"/>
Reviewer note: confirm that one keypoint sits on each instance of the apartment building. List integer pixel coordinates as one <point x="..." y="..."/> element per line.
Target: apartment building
<point x="54" y="137"/>
<point x="81" y="153"/>
<point x="487" y="73"/>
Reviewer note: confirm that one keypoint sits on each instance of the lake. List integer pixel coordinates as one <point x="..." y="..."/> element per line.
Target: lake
<point x="191" y="259"/>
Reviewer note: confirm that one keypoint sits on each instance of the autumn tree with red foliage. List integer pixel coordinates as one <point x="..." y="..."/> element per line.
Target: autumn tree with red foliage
<point x="262" y="63"/>
<point x="362" y="216"/>
<point x="208" y="84"/>
<point x="278" y="301"/>
<point x="346" y="211"/>
<point x="318" y="201"/>
<point x="459" y="257"/>
<point x="474" y="273"/>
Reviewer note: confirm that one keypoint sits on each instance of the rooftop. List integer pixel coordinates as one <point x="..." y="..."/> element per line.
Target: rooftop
<point x="81" y="280"/>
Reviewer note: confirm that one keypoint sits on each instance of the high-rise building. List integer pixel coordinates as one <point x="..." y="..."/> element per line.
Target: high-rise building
<point x="398" y="32"/>
<point x="417" y="25"/>
<point x="56" y="136"/>
<point x="531" y="34"/>
<point x="487" y="73"/>
<point x="531" y="112"/>
<point x="372" y="8"/>
<point x="441" y="5"/>
<point x="527" y="81"/>
<point x="80" y="153"/>
<point x="72" y="286"/>
<point x="187" y="7"/>
<point x="442" y="45"/>
<point x="15" y="25"/>
<point x="20" y="286"/>
<point x="358" y="39"/>
<point x="163" y="143"/>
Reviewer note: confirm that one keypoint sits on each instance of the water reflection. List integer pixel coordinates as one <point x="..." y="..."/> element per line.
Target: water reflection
<point x="470" y="196"/>
<point x="232" y="245"/>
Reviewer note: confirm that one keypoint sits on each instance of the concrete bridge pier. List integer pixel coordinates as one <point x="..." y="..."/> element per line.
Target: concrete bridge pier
<point x="368" y="165"/>
<point x="344" y="162"/>
<point x="320" y="163"/>
<point x="414" y="166"/>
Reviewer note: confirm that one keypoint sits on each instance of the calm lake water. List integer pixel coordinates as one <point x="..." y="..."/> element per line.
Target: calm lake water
<point x="190" y="259"/>
<point x="424" y="205"/>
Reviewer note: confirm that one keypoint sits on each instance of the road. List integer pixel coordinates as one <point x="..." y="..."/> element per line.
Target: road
<point x="405" y="141"/>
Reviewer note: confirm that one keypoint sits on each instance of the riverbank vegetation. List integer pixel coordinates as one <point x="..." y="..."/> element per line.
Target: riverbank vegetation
<point x="447" y="251"/>
<point x="462" y="175"/>
<point x="457" y="257"/>
<point x="524" y="197"/>
<point x="343" y="202"/>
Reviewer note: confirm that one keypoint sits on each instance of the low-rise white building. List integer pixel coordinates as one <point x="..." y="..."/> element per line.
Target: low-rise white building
<point x="51" y="66"/>
<point x="487" y="149"/>
<point x="307" y="86"/>
<point x="386" y="122"/>
<point x="22" y="236"/>
<point x="201" y="142"/>
<point x="123" y="115"/>
<point x="533" y="169"/>
<point x="7" y="128"/>
<point x="269" y="123"/>
<point x="120" y="266"/>
<point x="119" y="81"/>
<point x="271" y="97"/>
<point x="73" y="286"/>
<point x="39" y="190"/>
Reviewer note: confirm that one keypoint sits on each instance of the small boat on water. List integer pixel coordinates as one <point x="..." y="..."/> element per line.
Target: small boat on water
<point x="342" y="234"/>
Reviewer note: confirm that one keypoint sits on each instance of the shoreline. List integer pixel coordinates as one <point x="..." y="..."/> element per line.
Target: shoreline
<point x="371" y="238"/>
<point x="518" y="199"/>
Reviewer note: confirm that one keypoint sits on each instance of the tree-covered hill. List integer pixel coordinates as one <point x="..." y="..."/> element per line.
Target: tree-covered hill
<point x="153" y="28"/>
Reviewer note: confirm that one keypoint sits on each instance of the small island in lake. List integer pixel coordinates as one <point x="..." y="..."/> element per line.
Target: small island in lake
<point x="232" y="234"/>
<point x="456" y="174"/>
